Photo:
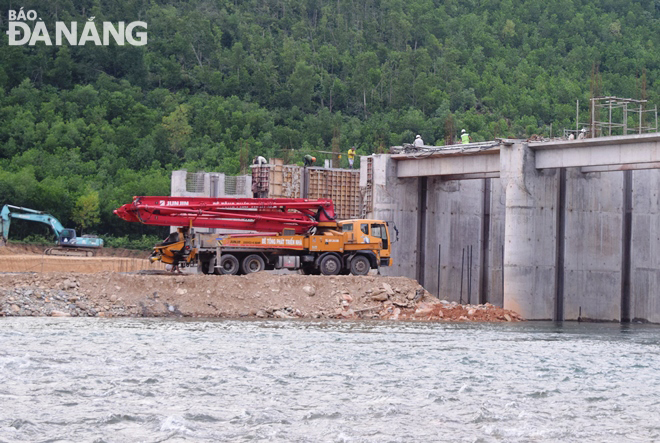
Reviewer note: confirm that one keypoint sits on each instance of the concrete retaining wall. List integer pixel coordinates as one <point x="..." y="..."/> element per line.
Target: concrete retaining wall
<point x="645" y="260"/>
<point x="593" y="245"/>
<point x="454" y="219"/>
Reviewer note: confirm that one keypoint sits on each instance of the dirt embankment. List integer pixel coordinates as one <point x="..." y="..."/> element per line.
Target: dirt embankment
<point x="122" y="283"/>
<point x="262" y="295"/>
<point x="12" y="248"/>
<point x="31" y="258"/>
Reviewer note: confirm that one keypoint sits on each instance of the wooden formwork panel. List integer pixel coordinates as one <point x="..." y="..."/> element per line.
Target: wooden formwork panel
<point x="291" y="181"/>
<point x="341" y="186"/>
<point x="284" y="181"/>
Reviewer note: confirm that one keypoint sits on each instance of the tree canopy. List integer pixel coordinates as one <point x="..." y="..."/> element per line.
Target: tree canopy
<point x="85" y="128"/>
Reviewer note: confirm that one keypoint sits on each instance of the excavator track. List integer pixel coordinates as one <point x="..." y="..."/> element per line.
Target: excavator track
<point x="70" y="252"/>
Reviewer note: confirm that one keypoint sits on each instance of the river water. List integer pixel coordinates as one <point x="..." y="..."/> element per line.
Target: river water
<point x="157" y="380"/>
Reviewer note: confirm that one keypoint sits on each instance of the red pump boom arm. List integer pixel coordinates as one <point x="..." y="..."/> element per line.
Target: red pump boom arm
<point x="248" y="214"/>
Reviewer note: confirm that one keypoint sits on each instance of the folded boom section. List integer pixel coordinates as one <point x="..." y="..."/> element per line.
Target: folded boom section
<point x="250" y="214"/>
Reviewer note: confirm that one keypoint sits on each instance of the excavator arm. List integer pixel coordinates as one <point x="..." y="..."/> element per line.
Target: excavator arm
<point x="8" y="212"/>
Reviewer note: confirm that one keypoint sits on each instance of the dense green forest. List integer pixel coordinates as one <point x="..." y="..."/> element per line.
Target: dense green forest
<point x="85" y="128"/>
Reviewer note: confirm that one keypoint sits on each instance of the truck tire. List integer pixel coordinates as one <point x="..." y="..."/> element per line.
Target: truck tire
<point x="253" y="263"/>
<point x="330" y="265"/>
<point x="207" y="266"/>
<point x="360" y="265"/>
<point x="228" y="265"/>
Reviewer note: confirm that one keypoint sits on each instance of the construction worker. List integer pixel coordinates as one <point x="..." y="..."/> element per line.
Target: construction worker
<point x="259" y="161"/>
<point x="582" y="134"/>
<point x="308" y="160"/>
<point x="418" y="143"/>
<point x="351" y="156"/>
<point x="465" y="137"/>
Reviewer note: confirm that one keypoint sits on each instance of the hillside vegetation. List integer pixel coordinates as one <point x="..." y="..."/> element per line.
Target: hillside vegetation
<point x="85" y="128"/>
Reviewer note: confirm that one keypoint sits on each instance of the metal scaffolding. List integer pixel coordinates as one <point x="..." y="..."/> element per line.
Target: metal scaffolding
<point x="604" y="108"/>
<point x="612" y="116"/>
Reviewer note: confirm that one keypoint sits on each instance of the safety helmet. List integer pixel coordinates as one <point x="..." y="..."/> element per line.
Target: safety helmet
<point x="584" y="130"/>
<point x="462" y="131"/>
<point x="313" y="159"/>
<point x="418" y="136"/>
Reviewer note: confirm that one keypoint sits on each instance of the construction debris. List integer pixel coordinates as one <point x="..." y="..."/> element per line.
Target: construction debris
<point x="260" y="295"/>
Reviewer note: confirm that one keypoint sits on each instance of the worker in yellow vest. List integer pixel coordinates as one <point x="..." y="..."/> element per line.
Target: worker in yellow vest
<point x="351" y="156"/>
<point x="465" y="137"/>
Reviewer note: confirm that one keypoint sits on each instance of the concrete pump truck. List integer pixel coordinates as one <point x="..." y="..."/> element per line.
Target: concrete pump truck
<point x="286" y="233"/>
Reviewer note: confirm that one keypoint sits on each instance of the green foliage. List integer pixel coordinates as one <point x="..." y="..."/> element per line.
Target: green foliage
<point x="144" y="242"/>
<point x="86" y="211"/>
<point x="220" y="82"/>
<point x="35" y="239"/>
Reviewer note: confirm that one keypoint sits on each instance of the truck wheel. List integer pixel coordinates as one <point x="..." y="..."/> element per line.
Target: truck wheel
<point x="207" y="266"/>
<point x="228" y="265"/>
<point x="330" y="265"/>
<point x="360" y="265"/>
<point x="253" y="263"/>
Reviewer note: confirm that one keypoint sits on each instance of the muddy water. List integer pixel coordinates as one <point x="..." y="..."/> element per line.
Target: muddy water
<point x="116" y="380"/>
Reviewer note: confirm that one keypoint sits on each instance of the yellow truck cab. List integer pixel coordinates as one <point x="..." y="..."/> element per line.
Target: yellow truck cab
<point x="365" y="232"/>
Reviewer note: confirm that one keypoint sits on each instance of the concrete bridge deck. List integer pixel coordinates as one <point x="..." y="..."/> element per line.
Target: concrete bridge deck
<point x="480" y="160"/>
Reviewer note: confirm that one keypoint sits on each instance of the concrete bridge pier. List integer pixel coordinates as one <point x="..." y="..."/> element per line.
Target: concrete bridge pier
<point x="530" y="233"/>
<point x="397" y="200"/>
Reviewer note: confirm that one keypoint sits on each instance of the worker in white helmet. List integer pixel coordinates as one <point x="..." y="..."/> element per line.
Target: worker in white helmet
<point x="582" y="134"/>
<point x="418" y="141"/>
<point x="259" y="160"/>
<point x="465" y="137"/>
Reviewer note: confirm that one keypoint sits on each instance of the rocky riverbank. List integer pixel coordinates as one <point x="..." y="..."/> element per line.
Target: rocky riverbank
<point x="261" y="295"/>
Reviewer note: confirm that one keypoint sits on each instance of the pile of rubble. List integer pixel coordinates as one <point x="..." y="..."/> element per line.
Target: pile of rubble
<point x="261" y="295"/>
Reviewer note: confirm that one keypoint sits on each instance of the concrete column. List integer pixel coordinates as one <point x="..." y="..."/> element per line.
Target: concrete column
<point x="529" y="233"/>
<point x="395" y="200"/>
<point x="178" y="183"/>
<point x="207" y="185"/>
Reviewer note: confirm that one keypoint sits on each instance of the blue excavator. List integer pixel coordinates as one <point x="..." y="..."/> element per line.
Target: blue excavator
<point x="67" y="242"/>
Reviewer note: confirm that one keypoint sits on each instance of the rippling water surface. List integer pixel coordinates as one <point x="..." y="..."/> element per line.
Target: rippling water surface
<point x="116" y="380"/>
